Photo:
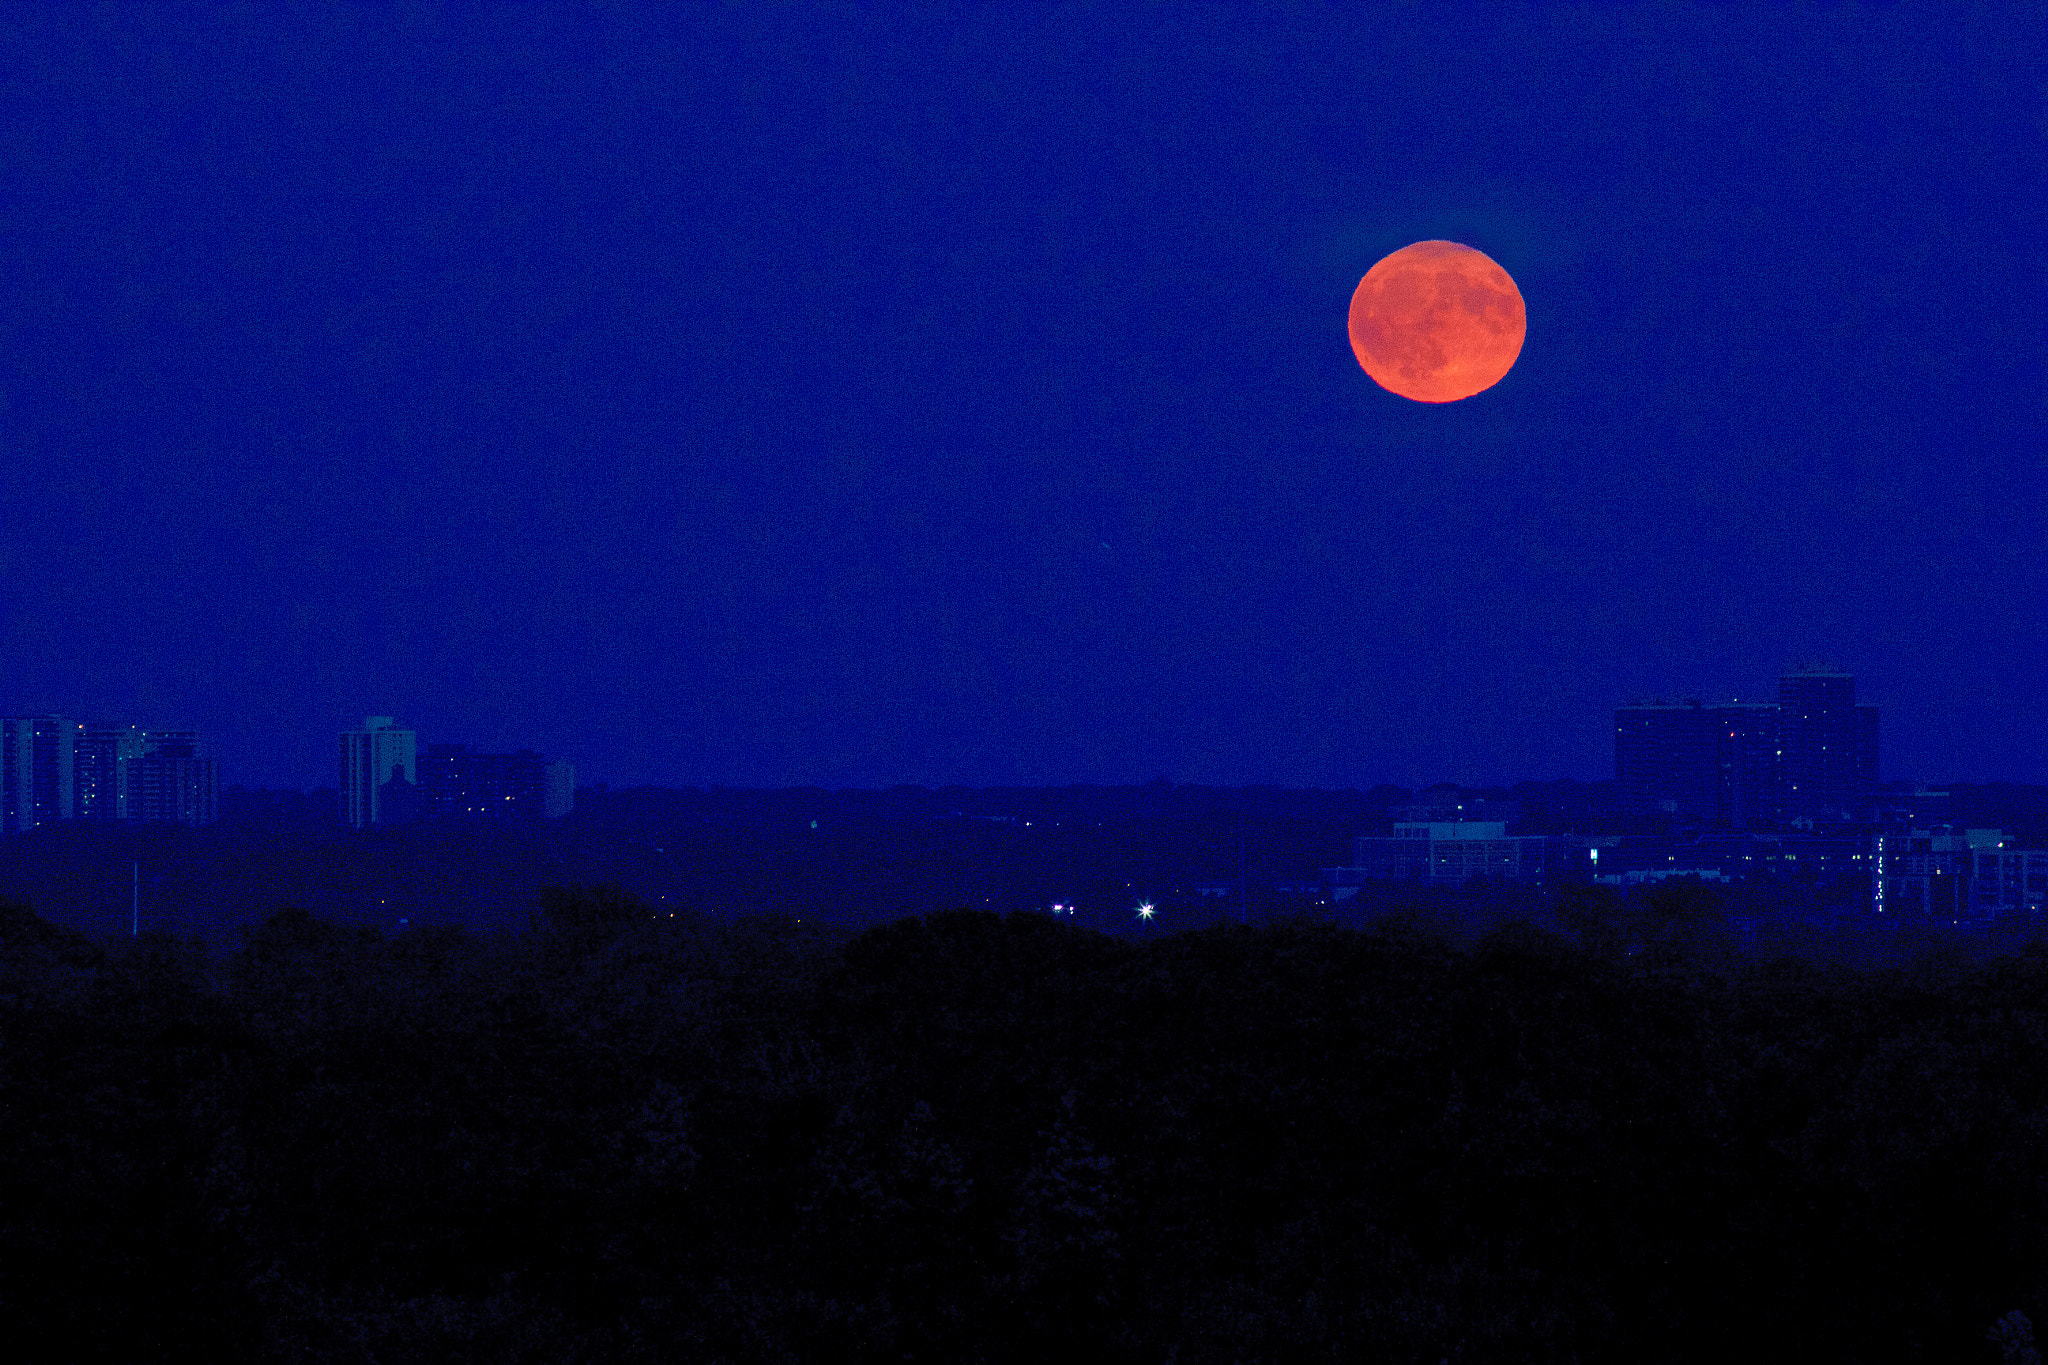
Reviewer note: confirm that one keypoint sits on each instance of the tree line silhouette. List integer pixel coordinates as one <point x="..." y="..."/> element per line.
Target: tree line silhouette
<point x="618" y="1136"/>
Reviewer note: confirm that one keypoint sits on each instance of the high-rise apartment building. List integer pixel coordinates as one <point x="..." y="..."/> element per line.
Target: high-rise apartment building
<point x="1828" y="745"/>
<point x="1747" y="792"/>
<point x="378" y="771"/>
<point x="170" y="782"/>
<point x="124" y="772"/>
<point x="1751" y="766"/>
<point x="36" y="771"/>
<point x="1667" y="758"/>
<point x="101" y="755"/>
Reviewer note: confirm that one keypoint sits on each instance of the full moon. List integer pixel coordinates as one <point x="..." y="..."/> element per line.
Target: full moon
<point x="1437" y="322"/>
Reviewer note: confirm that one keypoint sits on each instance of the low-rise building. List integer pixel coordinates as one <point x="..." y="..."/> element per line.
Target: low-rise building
<point x="1627" y="860"/>
<point x="1966" y="877"/>
<point x="1450" y="853"/>
<point x="2007" y="882"/>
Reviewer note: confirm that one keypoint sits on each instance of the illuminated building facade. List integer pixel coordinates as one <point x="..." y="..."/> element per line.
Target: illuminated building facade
<point x="124" y="772"/>
<point x="1923" y="876"/>
<point x="101" y="754"/>
<point x="2005" y="881"/>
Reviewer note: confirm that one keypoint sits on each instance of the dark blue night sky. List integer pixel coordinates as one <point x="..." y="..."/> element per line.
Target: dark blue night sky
<point x="770" y="395"/>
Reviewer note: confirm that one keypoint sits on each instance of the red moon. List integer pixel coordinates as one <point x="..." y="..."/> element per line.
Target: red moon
<point x="1437" y="322"/>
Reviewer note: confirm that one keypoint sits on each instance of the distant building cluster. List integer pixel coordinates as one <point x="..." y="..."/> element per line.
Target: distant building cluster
<point x="1969" y="877"/>
<point x="1810" y="756"/>
<point x="1736" y="792"/>
<point x="385" y="781"/>
<point x="53" y="768"/>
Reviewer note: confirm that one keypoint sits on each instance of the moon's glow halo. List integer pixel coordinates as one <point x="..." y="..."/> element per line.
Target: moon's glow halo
<point x="1436" y="322"/>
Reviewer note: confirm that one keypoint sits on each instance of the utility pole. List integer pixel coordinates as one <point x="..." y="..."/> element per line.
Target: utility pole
<point x="135" y="900"/>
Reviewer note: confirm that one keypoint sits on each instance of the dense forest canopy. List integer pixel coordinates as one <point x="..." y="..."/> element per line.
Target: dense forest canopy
<point x="622" y="1136"/>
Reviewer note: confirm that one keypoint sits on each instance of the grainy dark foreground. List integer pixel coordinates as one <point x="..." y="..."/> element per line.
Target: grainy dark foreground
<point x="968" y="1138"/>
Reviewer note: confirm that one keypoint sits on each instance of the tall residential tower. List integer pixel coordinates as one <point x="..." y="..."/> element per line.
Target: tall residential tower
<point x="378" y="772"/>
<point x="1827" y="745"/>
<point x="36" y="771"/>
<point x="1754" y="766"/>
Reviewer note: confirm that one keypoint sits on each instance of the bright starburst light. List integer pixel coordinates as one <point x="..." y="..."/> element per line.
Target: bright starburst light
<point x="1145" y="910"/>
